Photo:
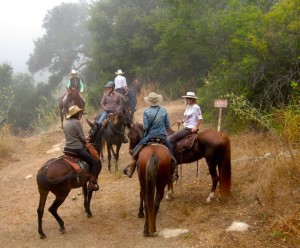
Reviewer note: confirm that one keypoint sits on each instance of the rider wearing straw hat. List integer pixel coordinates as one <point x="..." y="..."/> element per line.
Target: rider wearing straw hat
<point x="192" y="119"/>
<point x="155" y="124"/>
<point x="75" y="143"/>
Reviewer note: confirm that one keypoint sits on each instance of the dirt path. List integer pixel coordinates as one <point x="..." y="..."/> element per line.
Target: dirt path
<point x="115" y="207"/>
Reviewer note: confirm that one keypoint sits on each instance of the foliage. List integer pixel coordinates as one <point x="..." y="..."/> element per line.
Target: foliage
<point x="65" y="43"/>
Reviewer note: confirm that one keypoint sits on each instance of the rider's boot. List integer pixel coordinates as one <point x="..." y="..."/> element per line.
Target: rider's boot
<point x="129" y="170"/>
<point x="93" y="184"/>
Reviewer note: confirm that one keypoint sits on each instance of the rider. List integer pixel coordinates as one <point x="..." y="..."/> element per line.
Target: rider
<point x="122" y="88"/>
<point x="155" y="124"/>
<point x="111" y="102"/>
<point x="191" y="121"/>
<point x="76" y="83"/>
<point x="75" y="143"/>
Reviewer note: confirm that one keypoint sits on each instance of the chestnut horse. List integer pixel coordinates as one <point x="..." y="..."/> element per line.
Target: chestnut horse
<point x="58" y="176"/>
<point x="154" y="172"/>
<point x="212" y="145"/>
<point x="70" y="98"/>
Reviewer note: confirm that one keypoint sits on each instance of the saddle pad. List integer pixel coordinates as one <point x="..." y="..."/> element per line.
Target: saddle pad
<point x="76" y="164"/>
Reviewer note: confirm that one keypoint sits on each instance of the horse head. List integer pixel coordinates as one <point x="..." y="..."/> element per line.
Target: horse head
<point x="135" y="134"/>
<point x="95" y="134"/>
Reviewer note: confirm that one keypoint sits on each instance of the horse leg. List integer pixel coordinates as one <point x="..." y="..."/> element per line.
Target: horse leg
<point x="60" y="198"/>
<point x="109" y="157"/>
<point x="40" y="211"/>
<point x="141" y="208"/>
<point x="116" y="155"/>
<point x="159" y="196"/>
<point x="212" y="166"/>
<point x="170" y="193"/>
<point x="87" y="200"/>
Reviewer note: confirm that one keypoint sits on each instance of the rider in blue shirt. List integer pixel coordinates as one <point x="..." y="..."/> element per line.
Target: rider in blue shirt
<point x="155" y="124"/>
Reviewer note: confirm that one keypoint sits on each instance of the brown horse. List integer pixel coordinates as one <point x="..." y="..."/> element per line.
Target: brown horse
<point x="58" y="176"/>
<point x="212" y="145"/>
<point x="154" y="172"/>
<point x="68" y="99"/>
<point x="112" y="135"/>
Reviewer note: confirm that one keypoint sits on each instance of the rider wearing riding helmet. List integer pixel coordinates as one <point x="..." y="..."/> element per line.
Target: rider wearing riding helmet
<point x="111" y="102"/>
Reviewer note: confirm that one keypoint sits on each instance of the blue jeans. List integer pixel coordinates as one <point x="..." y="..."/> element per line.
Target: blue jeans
<point x="102" y="117"/>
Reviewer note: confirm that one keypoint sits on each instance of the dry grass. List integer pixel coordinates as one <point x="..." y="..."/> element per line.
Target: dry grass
<point x="266" y="176"/>
<point x="8" y="143"/>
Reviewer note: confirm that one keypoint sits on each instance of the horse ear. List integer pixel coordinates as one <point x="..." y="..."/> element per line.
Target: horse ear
<point x="91" y="124"/>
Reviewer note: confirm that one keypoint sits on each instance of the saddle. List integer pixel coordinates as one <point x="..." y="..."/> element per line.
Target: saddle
<point x="76" y="163"/>
<point x="185" y="143"/>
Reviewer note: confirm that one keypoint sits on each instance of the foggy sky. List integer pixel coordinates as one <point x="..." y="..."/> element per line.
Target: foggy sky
<point x="20" y="24"/>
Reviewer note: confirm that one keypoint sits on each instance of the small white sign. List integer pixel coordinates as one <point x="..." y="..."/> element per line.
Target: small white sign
<point x="220" y="103"/>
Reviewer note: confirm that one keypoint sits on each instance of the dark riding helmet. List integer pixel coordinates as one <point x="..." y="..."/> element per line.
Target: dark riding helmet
<point x="110" y="84"/>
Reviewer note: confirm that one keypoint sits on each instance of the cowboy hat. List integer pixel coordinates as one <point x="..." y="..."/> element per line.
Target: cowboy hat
<point x="153" y="99"/>
<point x="119" y="72"/>
<point x="73" y="110"/>
<point x="73" y="72"/>
<point x="190" y="95"/>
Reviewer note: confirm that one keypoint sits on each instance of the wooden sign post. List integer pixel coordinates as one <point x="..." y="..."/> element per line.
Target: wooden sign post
<point x="220" y="103"/>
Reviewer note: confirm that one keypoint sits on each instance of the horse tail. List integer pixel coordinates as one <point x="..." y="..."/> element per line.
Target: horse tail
<point x="225" y="171"/>
<point x="151" y="180"/>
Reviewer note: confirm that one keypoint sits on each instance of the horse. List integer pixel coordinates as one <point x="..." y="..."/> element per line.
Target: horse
<point x="154" y="172"/>
<point x="58" y="176"/>
<point x="112" y="134"/>
<point x="212" y="145"/>
<point x="68" y="99"/>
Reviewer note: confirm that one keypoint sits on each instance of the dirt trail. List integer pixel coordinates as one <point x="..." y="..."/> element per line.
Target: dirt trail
<point x="115" y="206"/>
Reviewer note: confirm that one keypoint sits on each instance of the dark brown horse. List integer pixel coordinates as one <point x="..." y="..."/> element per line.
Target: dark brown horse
<point x="68" y="99"/>
<point x="212" y="145"/>
<point x="58" y="176"/>
<point x="112" y="135"/>
<point x="154" y="172"/>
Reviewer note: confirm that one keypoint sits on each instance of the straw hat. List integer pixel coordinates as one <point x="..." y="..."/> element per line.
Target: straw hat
<point x="153" y="99"/>
<point x="190" y="95"/>
<point x="73" y="110"/>
<point x="119" y="72"/>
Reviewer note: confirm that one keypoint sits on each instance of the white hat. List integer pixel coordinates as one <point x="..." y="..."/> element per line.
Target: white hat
<point x="73" y="110"/>
<point x="119" y="72"/>
<point x="73" y="72"/>
<point x="153" y="99"/>
<point x="190" y="95"/>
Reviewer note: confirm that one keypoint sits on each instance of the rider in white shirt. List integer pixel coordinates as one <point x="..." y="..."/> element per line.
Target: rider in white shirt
<point x="122" y="88"/>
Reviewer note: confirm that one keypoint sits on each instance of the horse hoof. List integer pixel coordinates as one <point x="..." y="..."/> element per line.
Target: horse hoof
<point x="146" y="234"/>
<point x="141" y="215"/>
<point x="43" y="236"/>
<point x="62" y="230"/>
<point x="169" y="197"/>
<point x="154" y="234"/>
<point x="89" y="215"/>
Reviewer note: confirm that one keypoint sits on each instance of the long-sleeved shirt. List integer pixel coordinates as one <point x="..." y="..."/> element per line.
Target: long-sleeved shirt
<point x="74" y="134"/>
<point x="112" y="102"/>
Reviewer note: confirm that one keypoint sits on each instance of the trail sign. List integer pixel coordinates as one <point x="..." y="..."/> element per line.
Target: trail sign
<point x="220" y="103"/>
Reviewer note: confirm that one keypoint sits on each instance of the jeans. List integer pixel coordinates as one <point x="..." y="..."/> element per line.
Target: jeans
<point x="102" y="117"/>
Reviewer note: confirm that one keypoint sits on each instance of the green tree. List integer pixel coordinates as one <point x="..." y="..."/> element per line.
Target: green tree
<point x="65" y="43"/>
